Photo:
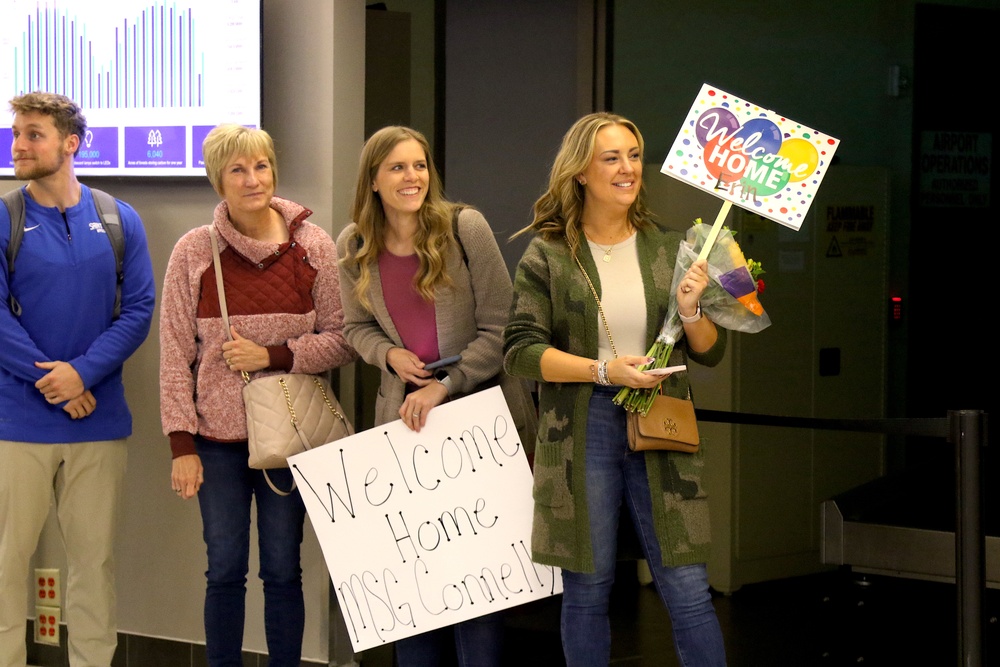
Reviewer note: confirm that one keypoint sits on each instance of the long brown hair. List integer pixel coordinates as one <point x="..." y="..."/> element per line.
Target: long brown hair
<point x="558" y="213"/>
<point x="434" y="234"/>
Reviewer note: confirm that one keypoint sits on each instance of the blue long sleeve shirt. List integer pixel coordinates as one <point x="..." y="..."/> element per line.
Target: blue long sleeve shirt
<point x="65" y="280"/>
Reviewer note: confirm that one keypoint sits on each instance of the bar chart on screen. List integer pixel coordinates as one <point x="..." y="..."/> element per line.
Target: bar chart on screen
<point x="151" y="76"/>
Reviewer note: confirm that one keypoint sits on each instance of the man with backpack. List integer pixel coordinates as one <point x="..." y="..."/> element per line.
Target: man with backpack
<point x="72" y="312"/>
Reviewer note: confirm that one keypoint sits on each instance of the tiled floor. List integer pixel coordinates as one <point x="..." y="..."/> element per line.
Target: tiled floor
<point x="833" y="619"/>
<point x="827" y="620"/>
<point x="136" y="651"/>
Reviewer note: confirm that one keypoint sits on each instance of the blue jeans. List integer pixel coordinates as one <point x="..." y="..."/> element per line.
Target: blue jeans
<point x="616" y="474"/>
<point x="478" y="643"/>
<point x="225" y="512"/>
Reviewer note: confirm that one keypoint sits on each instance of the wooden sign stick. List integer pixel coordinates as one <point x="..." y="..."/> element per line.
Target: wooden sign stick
<point x="716" y="227"/>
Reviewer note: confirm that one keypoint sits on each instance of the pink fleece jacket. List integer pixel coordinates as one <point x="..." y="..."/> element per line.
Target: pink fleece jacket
<point x="302" y="326"/>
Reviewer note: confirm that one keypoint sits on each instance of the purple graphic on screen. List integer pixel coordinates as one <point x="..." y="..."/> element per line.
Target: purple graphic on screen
<point x="156" y="146"/>
<point x="6" y="140"/>
<point x="99" y="148"/>
<point x="198" y="134"/>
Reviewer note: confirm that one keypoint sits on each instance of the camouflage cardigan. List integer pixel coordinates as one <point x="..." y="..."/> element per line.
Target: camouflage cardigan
<point x="553" y="307"/>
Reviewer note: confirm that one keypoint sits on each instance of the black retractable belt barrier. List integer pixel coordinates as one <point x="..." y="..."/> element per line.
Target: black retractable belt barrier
<point x="967" y="431"/>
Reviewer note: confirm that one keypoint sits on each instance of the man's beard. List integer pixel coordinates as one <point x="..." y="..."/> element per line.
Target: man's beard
<point x="36" y="170"/>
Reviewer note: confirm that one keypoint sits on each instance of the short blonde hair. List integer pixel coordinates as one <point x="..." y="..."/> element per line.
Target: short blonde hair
<point x="64" y="112"/>
<point x="230" y="140"/>
<point x="558" y="213"/>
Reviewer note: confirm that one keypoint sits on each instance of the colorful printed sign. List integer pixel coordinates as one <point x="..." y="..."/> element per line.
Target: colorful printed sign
<point x="424" y="530"/>
<point x="750" y="156"/>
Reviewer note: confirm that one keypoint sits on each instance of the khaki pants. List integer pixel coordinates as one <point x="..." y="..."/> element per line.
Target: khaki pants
<point x="86" y="479"/>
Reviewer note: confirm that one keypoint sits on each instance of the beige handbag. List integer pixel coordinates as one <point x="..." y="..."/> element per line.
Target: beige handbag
<point x="286" y="414"/>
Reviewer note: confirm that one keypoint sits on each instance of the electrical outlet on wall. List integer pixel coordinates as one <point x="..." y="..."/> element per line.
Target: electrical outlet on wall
<point x="47" y="625"/>
<point x="48" y="591"/>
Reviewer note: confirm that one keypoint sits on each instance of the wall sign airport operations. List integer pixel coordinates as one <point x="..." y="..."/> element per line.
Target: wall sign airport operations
<point x="751" y="157"/>
<point x="423" y="530"/>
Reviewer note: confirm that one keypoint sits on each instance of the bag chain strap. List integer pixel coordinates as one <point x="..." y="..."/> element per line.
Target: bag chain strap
<point x="291" y="409"/>
<point x="593" y="291"/>
<point x="607" y="329"/>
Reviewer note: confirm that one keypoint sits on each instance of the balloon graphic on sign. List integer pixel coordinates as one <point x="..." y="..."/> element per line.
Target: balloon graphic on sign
<point x="754" y="153"/>
<point x="749" y="156"/>
<point x="759" y="133"/>
<point x="714" y="122"/>
<point x="765" y="176"/>
<point x="803" y="157"/>
<point x="724" y="164"/>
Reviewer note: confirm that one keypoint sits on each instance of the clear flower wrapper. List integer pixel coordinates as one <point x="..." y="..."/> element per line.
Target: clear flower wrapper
<point x="730" y="301"/>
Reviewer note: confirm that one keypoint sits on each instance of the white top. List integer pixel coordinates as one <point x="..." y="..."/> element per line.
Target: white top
<point x="622" y="298"/>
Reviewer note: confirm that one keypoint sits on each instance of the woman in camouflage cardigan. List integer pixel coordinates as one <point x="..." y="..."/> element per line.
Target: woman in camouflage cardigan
<point x="557" y="335"/>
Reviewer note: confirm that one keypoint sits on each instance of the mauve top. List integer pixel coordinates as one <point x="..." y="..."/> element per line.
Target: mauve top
<point x="413" y="316"/>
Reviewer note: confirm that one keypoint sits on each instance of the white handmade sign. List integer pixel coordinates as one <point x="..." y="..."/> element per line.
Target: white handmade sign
<point x="423" y="530"/>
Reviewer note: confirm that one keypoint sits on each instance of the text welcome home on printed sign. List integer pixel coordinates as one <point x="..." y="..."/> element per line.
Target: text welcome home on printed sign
<point x="423" y="530"/>
<point x="750" y="156"/>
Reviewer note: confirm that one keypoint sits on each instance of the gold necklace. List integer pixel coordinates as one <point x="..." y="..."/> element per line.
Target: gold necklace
<point x="607" y="251"/>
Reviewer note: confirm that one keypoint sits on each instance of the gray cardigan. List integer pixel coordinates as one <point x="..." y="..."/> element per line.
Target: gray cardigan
<point x="471" y="317"/>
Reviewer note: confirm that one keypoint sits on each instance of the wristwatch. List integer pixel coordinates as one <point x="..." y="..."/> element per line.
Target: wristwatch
<point x="688" y="319"/>
<point x="441" y="375"/>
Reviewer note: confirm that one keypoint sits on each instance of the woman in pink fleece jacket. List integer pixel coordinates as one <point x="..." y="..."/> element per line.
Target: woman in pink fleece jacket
<point x="283" y="298"/>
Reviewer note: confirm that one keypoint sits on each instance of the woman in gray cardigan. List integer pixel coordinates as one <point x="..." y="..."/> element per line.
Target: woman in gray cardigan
<point x="422" y="279"/>
<point x="592" y="227"/>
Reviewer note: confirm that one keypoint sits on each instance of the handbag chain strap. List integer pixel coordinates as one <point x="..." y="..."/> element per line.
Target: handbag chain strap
<point x="322" y="391"/>
<point x="288" y="402"/>
<point x="600" y="309"/>
<point x="605" y="320"/>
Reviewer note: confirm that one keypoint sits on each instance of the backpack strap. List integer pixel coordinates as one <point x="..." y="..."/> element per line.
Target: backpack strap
<point x="107" y="211"/>
<point x="458" y="237"/>
<point x="14" y="201"/>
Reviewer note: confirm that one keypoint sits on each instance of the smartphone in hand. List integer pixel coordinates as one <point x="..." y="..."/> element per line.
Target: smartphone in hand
<point x="665" y="371"/>
<point x="447" y="361"/>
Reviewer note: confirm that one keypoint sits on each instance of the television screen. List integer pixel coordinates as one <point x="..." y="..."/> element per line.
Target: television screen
<point x="152" y="76"/>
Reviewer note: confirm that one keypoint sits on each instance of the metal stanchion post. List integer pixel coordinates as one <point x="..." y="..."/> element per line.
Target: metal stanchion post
<point x="968" y="435"/>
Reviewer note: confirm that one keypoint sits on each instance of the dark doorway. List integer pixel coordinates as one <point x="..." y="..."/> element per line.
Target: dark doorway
<point x="952" y="258"/>
<point x="952" y="261"/>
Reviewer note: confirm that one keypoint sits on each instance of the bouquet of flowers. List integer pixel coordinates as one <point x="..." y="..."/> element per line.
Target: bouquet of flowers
<point x="730" y="301"/>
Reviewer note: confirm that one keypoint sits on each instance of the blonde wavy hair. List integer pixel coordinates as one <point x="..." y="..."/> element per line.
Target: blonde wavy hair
<point x="558" y="213"/>
<point x="434" y="237"/>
